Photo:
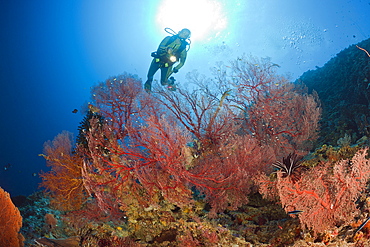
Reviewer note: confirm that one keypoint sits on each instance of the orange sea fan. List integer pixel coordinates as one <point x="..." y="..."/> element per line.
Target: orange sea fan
<point x="10" y="222"/>
<point x="64" y="181"/>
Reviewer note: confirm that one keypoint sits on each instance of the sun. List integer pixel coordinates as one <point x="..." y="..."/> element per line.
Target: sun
<point x="204" y="18"/>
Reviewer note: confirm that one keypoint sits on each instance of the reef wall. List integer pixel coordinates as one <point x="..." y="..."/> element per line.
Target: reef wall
<point x="343" y="86"/>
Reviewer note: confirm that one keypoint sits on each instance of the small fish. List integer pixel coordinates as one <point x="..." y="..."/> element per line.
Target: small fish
<point x="7" y="166"/>
<point x="75" y="111"/>
<point x="34" y="174"/>
<point x="362" y="225"/>
<point x="295" y="212"/>
<point x="93" y="109"/>
<point x="190" y="144"/>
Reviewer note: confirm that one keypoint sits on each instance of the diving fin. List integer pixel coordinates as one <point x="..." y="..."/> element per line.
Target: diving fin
<point x="171" y="84"/>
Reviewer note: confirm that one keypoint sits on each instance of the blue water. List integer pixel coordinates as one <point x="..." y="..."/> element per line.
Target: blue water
<point x="52" y="52"/>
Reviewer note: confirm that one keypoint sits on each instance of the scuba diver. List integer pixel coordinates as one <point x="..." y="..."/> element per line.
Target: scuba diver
<point x="172" y="49"/>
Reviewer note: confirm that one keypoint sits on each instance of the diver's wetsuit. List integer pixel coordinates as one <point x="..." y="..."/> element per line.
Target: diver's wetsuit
<point x="162" y="60"/>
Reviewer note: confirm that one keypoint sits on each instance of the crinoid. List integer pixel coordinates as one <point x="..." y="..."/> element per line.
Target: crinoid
<point x="290" y="165"/>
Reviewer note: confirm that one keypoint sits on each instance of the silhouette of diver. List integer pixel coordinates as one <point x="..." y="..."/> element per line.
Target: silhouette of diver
<point x="172" y="49"/>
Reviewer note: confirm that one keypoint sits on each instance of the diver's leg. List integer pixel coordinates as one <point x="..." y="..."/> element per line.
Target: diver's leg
<point x="170" y="80"/>
<point x="169" y="73"/>
<point x="164" y="75"/>
<point x="154" y="66"/>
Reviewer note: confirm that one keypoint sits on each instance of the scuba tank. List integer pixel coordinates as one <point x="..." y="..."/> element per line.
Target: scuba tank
<point x="184" y="46"/>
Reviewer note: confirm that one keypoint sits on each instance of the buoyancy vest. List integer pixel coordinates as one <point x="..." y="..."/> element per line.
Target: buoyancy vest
<point x="182" y="46"/>
<point x="163" y="58"/>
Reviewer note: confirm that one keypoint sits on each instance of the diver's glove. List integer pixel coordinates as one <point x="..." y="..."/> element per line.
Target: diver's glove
<point x="175" y="70"/>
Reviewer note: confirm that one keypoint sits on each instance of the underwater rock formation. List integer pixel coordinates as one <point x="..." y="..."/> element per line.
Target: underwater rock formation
<point x="343" y="86"/>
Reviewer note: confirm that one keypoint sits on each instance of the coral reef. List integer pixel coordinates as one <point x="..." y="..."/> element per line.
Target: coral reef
<point x="188" y="168"/>
<point x="326" y="194"/>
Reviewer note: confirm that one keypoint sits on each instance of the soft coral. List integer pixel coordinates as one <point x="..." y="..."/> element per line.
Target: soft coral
<point x="10" y="222"/>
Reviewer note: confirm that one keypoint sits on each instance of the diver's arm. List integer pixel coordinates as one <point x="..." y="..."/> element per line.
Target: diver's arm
<point x="162" y="48"/>
<point x="182" y="59"/>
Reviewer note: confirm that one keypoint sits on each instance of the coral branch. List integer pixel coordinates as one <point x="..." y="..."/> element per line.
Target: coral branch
<point x="367" y="53"/>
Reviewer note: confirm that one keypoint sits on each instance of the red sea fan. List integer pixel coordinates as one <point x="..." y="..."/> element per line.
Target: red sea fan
<point x="278" y="113"/>
<point x="326" y="194"/>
